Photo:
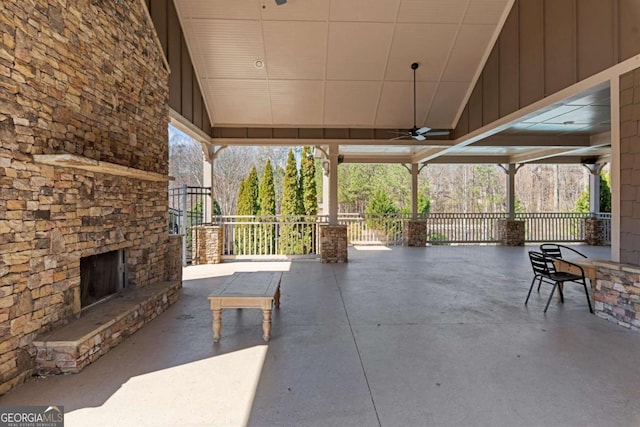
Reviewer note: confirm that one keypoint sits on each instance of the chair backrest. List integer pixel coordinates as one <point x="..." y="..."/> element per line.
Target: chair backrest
<point x="554" y="250"/>
<point x="551" y="249"/>
<point x="540" y="264"/>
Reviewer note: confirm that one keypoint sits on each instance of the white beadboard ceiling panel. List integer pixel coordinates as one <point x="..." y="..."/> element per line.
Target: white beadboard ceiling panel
<point x="351" y="104"/>
<point x="484" y="12"/>
<point x="295" y="10"/>
<point x="432" y="11"/>
<point x="292" y="57"/>
<point x="337" y="63"/>
<point x="396" y="104"/>
<point x="240" y="98"/>
<point x="358" y="51"/>
<point x="228" y="49"/>
<point x="414" y="43"/>
<point x="468" y="50"/>
<point x="298" y="102"/>
<point x="447" y="97"/>
<point x="219" y="9"/>
<point x="364" y="10"/>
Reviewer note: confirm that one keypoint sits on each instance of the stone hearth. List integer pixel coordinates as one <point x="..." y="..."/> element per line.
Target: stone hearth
<point x="84" y="340"/>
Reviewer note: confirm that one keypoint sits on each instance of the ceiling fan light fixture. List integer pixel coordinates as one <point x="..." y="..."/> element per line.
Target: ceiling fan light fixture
<point x="281" y="2"/>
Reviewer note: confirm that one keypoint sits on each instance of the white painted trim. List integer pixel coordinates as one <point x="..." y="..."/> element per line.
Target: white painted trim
<point x="184" y="125"/>
<point x="614" y="169"/>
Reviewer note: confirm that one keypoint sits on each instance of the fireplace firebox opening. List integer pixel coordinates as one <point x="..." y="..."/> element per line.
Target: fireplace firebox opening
<point x="101" y="276"/>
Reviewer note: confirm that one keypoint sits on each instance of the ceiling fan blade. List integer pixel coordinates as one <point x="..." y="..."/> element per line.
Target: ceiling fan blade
<point x="423" y="130"/>
<point x="438" y="133"/>
<point x="399" y="137"/>
<point x="419" y="137"/>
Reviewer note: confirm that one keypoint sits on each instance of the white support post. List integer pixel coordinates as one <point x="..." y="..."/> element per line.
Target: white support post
<point x="415" y="170"/>
<point x="207" y="180"/>
<point x="594" y="188"/>
<point x="614" y="168"/>
<point x="511" y="171"/>
<point x="334" y="151"/>
<point x="325" y="189"/>
<point x="209" y="173"/>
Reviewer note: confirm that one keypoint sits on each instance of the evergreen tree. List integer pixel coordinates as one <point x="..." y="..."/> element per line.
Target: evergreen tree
<point x="290" y="239"/>
<point x="267" y="209"/>
<point x="290" y="191"/>
<point x="267" y="191"/>
<point x="309" y="198"/>
<point x="381" y="204"/>
<point x="253" y="191"/>
<point x="424" y="205"/>
<point x="244" y="204"/>
<point x="245" y="236"/>
<point x="380" y="211"/>
<point x="308" y="175"/>
<point x="216" y="208"/>
<point x="239" y="231"/>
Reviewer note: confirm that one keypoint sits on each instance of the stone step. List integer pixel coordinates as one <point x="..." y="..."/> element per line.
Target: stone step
<point x="84" y="340"/>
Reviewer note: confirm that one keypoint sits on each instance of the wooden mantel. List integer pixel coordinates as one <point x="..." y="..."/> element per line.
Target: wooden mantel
<point x="91" y="165"/>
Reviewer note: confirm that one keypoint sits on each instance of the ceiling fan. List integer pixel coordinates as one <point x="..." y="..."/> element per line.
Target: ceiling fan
<point x="419" y="134"/>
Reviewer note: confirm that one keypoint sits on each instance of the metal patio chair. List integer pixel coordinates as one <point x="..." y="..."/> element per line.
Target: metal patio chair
<point x="544" y="268"/>
<point x="555" y="250"/>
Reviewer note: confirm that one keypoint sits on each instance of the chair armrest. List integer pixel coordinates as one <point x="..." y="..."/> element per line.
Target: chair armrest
<point x="573" y="250"/>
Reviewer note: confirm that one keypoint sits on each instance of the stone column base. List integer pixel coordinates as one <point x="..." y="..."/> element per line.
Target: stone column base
<point x="333" y="243"/>
<point x="207" y="244"/>
<point x="414" y="233"/>
<point x="511" y="232"/>
<point x="594" y="232"/>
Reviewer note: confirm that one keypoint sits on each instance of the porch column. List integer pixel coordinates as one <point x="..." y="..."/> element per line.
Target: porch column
<point x="511" y="171"/>
<point x="510" y="230"/>
<point x="334" y="151"/>
<point x="414" y="230"/>
<point x="594" y="187"/>
<point x="325" y="189"/>
<point x="209" y="173"/>
<point x="415" y="170"/>
<point x="593" y="226"/>
<point x="207" y="181"/>
<point x="333" y="237"/>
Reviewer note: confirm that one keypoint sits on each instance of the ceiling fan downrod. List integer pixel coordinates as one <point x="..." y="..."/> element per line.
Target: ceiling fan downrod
<point x="414" y="67"/>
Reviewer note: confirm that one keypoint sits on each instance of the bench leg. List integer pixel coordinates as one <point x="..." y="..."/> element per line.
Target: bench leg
<point x="277" y="298"/>
<point x="266" y="324"/>
<point x="217" y="325"/>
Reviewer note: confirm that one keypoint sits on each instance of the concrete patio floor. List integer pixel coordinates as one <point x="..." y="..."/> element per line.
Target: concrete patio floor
<point x="400" y="337"/>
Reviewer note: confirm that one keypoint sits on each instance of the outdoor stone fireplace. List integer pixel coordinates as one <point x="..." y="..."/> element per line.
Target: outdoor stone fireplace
<point x="83" y="172"/>
<point x="101" y="276"/>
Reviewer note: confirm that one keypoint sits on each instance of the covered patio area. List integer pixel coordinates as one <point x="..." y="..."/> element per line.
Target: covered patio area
<point x="398" y="336"/>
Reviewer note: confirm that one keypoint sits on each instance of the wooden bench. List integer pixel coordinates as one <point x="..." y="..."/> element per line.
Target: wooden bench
<point x="247" y="290"/>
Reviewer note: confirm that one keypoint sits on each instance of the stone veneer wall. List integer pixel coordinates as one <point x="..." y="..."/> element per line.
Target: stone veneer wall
<point x="207" y="245"/>
<point x="617" y="293"/>
<point x="415" y="233"/>
<point x="630" y="167"/>
<point x="333" y="243"/>
<point x="87" y="79"/>
<point x="594" y="232"/>
<point x="511" y="233"/>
